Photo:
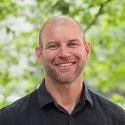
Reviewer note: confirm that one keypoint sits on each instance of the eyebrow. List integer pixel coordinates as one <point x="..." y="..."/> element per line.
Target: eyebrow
<point x="51" y="42"/>
<point x="72" y="40"/>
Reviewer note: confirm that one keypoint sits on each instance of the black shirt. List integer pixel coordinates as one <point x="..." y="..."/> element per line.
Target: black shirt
<point x="39" y="108"/>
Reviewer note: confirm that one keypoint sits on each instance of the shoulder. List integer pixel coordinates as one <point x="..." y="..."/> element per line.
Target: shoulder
<point x="108" y="108"/>
<point x="103" y="102"/>
<point x="18" y="107"/>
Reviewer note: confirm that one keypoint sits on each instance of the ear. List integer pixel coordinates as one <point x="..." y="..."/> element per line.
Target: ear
<point x="88" y="50"/>
<point x="38" y="52"/>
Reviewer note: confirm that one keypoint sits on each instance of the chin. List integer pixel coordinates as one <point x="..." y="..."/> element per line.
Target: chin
<point x="65" y="79"/>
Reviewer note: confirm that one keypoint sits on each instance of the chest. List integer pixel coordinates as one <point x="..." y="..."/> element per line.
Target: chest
<point x="52" y="116"/>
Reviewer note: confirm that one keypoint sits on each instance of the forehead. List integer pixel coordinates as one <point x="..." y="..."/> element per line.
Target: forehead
<point x="59" y="21"/>
<point x="63" y="29"/>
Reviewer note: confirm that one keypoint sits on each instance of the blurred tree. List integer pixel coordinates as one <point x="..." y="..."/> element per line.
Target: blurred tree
<point x="103" y="22"/>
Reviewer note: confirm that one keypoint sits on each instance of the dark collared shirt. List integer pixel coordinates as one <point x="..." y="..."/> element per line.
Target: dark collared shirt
<point x="39" y="108"/>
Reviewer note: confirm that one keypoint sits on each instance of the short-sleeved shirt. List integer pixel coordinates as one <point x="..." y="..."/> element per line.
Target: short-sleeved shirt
<point x="40" y="108"/>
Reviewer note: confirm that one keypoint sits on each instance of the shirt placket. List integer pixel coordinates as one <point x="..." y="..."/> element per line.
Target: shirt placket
<point x="71" y="120"/>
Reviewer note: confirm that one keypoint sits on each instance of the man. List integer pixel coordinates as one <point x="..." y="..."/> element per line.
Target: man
<point x="62" y="98"/>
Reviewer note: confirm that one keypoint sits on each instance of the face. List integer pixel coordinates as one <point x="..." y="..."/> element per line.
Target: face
<point x="64" y="53"/>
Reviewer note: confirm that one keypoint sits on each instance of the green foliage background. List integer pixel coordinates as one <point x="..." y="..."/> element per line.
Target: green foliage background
<point x="104" y="24"/>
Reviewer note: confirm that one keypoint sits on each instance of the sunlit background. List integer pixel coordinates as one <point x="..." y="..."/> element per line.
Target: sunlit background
<point x="104" y="25"/>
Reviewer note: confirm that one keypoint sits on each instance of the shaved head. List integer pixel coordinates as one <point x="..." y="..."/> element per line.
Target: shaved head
<point x="58" y="20"/>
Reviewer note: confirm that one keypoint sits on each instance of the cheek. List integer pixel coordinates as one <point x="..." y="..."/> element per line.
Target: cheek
<point x="80" y="53"/>
<point x="48" y="57"/>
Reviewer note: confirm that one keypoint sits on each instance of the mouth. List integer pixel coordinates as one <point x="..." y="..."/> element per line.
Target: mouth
<point x="65" y="64"/>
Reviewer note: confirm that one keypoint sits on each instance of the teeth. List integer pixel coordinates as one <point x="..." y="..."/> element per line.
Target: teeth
<point x="64" y="65"/>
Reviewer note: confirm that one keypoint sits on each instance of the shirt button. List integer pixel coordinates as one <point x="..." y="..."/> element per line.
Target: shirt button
<point x="70" y="117"/>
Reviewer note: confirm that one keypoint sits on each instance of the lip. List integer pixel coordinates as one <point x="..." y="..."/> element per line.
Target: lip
<point x="65" y="64"/>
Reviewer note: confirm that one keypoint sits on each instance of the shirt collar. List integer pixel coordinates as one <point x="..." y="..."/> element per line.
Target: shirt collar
<point x="45" y="98"/>
<point x="86" y="95"/>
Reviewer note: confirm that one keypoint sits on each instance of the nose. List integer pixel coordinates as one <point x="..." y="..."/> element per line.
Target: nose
<point x="64" y="52"/>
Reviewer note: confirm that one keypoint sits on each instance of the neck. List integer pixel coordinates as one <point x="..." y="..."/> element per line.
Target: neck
<point x="66" y="95"/>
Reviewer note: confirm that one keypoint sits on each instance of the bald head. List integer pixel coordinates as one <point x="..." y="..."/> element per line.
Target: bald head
<point x="58" y="21"/>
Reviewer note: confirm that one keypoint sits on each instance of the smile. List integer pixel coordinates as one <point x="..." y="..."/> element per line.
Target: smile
<point x="65" y="65"/>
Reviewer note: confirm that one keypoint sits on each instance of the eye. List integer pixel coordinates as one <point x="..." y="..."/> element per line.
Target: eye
<point x="73" y="44"/>
<point x="53" y="46"/>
